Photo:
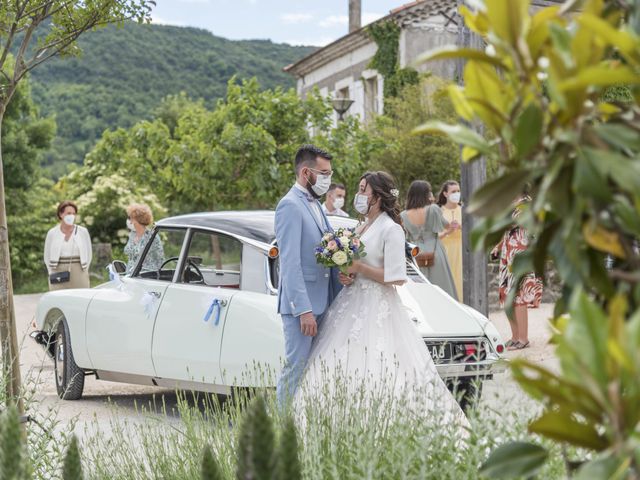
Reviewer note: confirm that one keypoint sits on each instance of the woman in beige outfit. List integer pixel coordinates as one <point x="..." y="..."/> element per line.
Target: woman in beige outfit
<point x="67" y="248"/>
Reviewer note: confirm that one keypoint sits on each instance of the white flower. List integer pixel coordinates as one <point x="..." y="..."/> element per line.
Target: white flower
<point x="339" y="258"/>
<point x="543" y="62"/>
<point x="395" y="192"/>
<point x="344" y="241"/>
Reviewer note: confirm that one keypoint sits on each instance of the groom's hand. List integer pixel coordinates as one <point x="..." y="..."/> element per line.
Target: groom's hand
<point x="308" y="325"/>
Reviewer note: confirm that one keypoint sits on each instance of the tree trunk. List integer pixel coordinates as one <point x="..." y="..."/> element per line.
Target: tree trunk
<point x="8" y="333"/>
<point x="473" y="175"/>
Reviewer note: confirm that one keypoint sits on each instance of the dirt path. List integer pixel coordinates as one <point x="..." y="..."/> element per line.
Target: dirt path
<point x="100" y="397"/>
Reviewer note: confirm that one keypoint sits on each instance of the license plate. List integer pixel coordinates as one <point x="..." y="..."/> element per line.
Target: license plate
<point x="440" y="352"/>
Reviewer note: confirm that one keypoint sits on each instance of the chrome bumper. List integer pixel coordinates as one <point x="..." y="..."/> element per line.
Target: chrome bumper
<point x="481" y="369"/>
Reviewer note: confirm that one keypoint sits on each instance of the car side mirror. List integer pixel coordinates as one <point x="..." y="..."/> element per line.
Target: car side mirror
<point x="119" y="266"/>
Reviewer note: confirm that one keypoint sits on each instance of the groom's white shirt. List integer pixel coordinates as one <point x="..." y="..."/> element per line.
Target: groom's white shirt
<point x="315" y="206"/>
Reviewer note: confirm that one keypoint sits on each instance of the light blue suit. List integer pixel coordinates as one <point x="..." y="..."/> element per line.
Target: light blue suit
<point x="304" y="286"/>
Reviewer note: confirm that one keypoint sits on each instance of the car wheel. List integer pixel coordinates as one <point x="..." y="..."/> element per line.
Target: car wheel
<point x="467" y="392"/>
<point x="69" y="377"/>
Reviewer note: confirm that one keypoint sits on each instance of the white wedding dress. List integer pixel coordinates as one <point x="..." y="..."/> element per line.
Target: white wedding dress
<point x="367" y="342"/>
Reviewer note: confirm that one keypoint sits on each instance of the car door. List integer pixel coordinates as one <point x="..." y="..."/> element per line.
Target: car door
<point x="189" y="327"/>
<point x="120" y="318"/>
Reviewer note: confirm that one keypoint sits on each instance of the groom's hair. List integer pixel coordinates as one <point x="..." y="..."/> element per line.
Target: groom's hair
<point x="307" y="156"/>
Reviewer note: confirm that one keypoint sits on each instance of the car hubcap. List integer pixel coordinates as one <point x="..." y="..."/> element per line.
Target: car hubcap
<point x="60" y="358"/>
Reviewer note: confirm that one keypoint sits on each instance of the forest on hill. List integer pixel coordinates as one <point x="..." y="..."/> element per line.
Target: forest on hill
<point x="124" y="73"/>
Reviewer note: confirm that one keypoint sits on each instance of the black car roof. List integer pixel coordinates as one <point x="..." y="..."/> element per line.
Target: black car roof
<point x="254" y="224"/>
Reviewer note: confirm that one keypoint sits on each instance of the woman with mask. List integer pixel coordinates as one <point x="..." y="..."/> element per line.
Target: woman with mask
<point x="423" y="222"/>
<point x="139" y="217"/>
<point x="67" y="251"/>
<point x="449" y="202"/>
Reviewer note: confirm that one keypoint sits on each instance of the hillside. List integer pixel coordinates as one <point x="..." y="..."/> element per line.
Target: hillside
<point x="125" y="72"/>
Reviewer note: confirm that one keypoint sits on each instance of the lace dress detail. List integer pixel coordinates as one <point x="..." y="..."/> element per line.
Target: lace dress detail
<point x="368" y="342"/>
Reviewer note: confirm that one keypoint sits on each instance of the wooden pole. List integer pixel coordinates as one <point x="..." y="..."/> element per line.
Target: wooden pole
<point x="472" y="176"/>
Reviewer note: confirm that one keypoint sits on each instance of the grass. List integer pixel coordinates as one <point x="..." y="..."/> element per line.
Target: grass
<point x="345" y="432"/>
<point x="348" y="436"/>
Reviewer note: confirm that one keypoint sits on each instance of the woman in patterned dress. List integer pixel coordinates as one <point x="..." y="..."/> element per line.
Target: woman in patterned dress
<point x="529" y="293"/>
<point x="139" y="218"/>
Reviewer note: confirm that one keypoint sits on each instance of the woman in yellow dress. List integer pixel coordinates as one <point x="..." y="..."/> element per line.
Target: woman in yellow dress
<point x="449" y="201"/>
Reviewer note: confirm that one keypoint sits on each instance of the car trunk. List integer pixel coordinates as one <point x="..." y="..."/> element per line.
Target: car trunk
<point x="436" y="314"/>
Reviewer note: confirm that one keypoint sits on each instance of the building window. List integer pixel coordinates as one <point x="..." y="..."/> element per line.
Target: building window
<point x="370" y="98"/>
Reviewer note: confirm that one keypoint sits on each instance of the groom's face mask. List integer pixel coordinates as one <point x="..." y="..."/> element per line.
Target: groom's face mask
<point x="320" y="185"/>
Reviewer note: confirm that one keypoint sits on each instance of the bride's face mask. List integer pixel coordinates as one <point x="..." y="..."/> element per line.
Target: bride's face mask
<point x="361" y="203"/>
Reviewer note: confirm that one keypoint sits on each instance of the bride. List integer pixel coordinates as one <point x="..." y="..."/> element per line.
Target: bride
<point x="367" y="338"/>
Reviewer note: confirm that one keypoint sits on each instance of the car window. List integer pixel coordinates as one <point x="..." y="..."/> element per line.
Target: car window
<point x="160" y="258"/>
<point x="213" y="260"/>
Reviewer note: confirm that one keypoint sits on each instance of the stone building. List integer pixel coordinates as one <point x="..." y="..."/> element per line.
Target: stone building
<point x="341" y="69"/>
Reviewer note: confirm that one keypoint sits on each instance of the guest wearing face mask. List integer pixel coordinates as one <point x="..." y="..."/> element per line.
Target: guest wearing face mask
<point x="335" y="200"/>
<point x="139" y="218"/>
<point x="449" y="202"/>
<point x="67" y="251"/>
<point x="423" y="221"/>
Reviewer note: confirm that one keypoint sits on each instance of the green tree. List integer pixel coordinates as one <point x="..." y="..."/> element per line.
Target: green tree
<point x="236" y="156"/>
<point x="20" y="21"/>
<point x="25" y="137"/>
<point x="408" y="156"/>
<point x="540" y="91"/>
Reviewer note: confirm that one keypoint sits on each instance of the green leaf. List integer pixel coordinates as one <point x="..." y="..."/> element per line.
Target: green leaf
<point x="561" y="426"/>
<point x="498" y="194"/>
<point x="621" y="40"/>
<point x="619" y="136"/>
<point x="451" y="51"/>
<point x="600" y="76"/>
<point x="623" y="170"/>
<point x="606" y="467"/>
<point x="528" y="130"/>
<point x="508" y="19"/>
<point x="562" y="43"/>
<point x="589" y="180"/>
<point x="457" y="133"/>
<point x="515" y="459"/>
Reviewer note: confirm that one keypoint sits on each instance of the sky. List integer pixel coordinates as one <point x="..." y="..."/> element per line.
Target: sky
<point x="296" y="22"/>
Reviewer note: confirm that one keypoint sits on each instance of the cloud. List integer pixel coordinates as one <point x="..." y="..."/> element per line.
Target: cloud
<point x="193" y="1"/>
<point x="370" y="17"/>
<point x="295" y="18"/>
<point x="333" y="21"/>
<point x="162" y="21"/>
<point x="312" y="42"/>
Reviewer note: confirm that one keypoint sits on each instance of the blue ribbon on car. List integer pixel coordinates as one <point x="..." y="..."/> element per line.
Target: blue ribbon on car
<point x="215" y="306"/>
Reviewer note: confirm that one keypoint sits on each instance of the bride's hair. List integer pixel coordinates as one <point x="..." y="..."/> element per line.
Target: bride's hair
<point x="384" y="187"/>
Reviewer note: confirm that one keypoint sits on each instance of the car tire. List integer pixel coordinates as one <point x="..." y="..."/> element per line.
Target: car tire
<point x="471" y="392"/>
<point x="467" y="392"/>
<point x="69" y="377"/>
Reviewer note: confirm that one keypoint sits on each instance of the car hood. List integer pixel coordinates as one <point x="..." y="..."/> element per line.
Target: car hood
<point x="436" y="314"/>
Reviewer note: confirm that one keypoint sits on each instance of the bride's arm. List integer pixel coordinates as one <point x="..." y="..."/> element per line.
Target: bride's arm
<point x="374" y="273"/>
<point x="394" y="271"/>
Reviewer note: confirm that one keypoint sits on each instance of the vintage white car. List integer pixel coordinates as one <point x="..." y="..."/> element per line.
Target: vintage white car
<point x="199" y="319"/>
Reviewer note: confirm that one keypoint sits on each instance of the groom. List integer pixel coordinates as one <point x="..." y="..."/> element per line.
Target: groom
<point x="306" y="289"/>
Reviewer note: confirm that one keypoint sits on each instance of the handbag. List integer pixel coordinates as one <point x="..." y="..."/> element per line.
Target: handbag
<point x="59" y="277"/>
<point x="427" y="259"/>
<point x="62" y="277"/>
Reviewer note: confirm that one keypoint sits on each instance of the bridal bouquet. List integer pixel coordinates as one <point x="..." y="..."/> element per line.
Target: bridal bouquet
<point x="340" y="249"/>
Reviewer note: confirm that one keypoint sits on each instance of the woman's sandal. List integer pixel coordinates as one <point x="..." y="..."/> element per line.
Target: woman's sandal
<point x="509" y="343"/>
<point x="518" y="346"/>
